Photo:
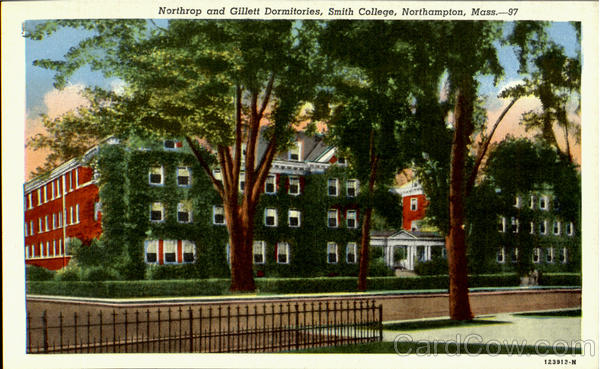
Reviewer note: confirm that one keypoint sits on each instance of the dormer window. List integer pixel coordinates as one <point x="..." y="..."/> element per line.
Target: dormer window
<point x="295" y="152"/>
<point x="156" y="175"/>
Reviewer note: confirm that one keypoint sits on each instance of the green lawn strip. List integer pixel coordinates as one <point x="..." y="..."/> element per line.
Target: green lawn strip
<point x="438" y="323"/>
<point x="557" y="313"/>
<point x="440" y="348"/>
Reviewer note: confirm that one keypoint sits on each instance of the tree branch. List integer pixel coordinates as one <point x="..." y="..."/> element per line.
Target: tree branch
<point x="484" y="147"/>
<point x="216" y="183"/>
<point x="267" y="97"/>
<point x="263" y="168"/>
<point x="238" y="133"/>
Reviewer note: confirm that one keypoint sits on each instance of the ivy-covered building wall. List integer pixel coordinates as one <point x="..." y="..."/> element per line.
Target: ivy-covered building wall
<point x="164" y="218"/>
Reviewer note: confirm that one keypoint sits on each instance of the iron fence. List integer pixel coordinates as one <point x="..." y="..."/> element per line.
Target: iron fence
<point x="208" y="328"/>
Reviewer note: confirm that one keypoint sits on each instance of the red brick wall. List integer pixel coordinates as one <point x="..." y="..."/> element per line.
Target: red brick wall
<point x="408" y="215"/>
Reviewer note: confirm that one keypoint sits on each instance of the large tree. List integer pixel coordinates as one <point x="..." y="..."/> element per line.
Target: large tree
<point x="220" y="84"/>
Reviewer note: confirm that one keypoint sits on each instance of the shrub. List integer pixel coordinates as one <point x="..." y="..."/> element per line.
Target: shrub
<point x="377" y="268"/>
<point x="435" y="266"/>
<point x="94" y="274"/>
<point x="36" y="273"/>
<point x="186" y="271"/>
<point x="560" y="279"/>
<point x="71" y="272"/>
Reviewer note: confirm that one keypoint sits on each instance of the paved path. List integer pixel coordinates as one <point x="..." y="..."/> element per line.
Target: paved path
<point x="523" y="329"/>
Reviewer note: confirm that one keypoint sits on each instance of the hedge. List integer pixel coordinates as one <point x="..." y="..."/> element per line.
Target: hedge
<point x="212" y="287"/>
<point x="560" y="279"/>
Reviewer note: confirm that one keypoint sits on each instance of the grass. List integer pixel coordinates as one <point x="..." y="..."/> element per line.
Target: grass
<point x="438" y="323"/>
<point x="436" y="348"/>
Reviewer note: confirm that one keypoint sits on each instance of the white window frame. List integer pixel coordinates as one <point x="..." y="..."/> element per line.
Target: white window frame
<point x="351" y="215"/>
<point x="517" y="203"/>
<point x="52" y="190"/>
<point x="332" y="246"/>
<point x="261" y="246"/>
<point x="218" y="175"/>
<point x="295" y="150"/>
<point x="187" y="244"/>
<point x="556" y="228"/>
<point x="47" y="226"/>
<point x="31" y="228"/>
<point x="45" y="193"/>
<point x="286" y="247"/>
<point x="70" y="215"/>
<point x="183" y="170"/>
<point x="161" y="206"/>
<point x="76" y="213"/>
<point x="53" y="221"/>
<point x="514" y="254"/>
<point x="564" y="254"/>
<point x="414" y="204"/>
<point x="242" y="181"/>
<point x="182" y="208"/>
<point x="531" y="228"/>
<point x="47" y="255"/>
<point x="152" y="171"/>
<point x="40" y="225"/>
<point x="271" y="180"/>
<point x="544" y="224"/>
<point x="218" y="210"/>
<point x="294" y="213"/>
<point x="502" y="223"/>
<point x="30" y="200"/>
<point x="270" y="212"/>
<point x="550" y="254"/>
<point x="536" y="254"/>
<point x="290" y="179"/>
<point x="60" y="219"/>
<point x="170" y="148"/>
<point x="147" y="245"/>
<point x="171" y="244"/>
<point x="352" y="184"/>
<point x="76" y="177"/>
<point x="329" y="213"/>
<point x="26" y="230"/>
<point x="336" y="183"/>
<point x="58" y="191"/>
<point x="514" y="225"/>
<point x="351" y="246"/>
<point x="543" y="202"/>
<point x="60" y="247"/>
<point x="53" y="247"/>
<point x="500" y="256"/>
<point x="39" y="196"/>
<point x="27" y="252"/>
<point x="532" y="202"/>
<point x="570" y="229"/>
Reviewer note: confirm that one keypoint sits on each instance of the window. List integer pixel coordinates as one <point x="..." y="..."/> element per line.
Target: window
<point x="53" y="247"/>
<point x="544" y="202"/>
<point x="514" y="225"/>
<point x="52" y="190"/>
<point x="156" y="175"/>
<point x="170" y="251"/>
<point x="218" y="215"/>
<point x="183" y="177"/>
<point x="332" y="218"/>
<point x="531" y="202"/>
<point x="29" y="201"/>
<point x="536" y="255"/>
<point x="555" y="204"/>
<point x="53" y="221"/>
<point x="27" y="252"/>
<point x="283" y="253"/>
<point x="60" y="247"/>
<point x="531" y="227"/>
<point x="218" y="175"/>
<point x="157" y="212"/>
<point x="562" y="255"/>
<point x="556" y="228"/>
<point x="341" y="160"/>
<point x="294" y="186"/>
<point x="414" y="204"/>
<point x="39" y="196"/>
<point x="294" y="218"/>
<point x="151" y="251"/>
<point x="270" y="184"/>
<point x="549" y="255"/>
<point x="501" y="224"/>
<point x="352" y="187"/>
<point x="40" y="226"/>
<point x="258" y="252"/>
<point x="242" y="181"/>
<point x="271" y="217"/>
<point x="76" y="213"/>
<point x="76" y="177"/>
<point x="70" y="215"/>
<point x="171" y="144"/>
<point x="517" y="203"/>
<point x="97" y="210"/>
<point x="26" y="233"/>
<point x="244" y="151"/>
<point x="500" y="255"/>
<point x="351" y="219"/>
<point x="46" y="223"/>
<point x="45" y="194"/>
<point x="184" y="212"/>
<point x="570" y="229"/>
<point x="47" y="249"/>
<point x="332" y="253"/>
<point x="332" y="187"/>
<point x="351" y="253"/>
<point x="60" y="219"/>
<point x="514" y="256"/>
<point x="31" y="230"/>
<point x="295" y="152"/>
<point x="543" y="227"/>
<point x="70" y="181"/>
<point x="189" y="251"/>
<point x="58" y="183"/>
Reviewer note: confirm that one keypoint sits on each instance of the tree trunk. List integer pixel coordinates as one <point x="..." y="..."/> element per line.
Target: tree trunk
<point x="459" y="305"/>
<point x="365" y="239"/>
<point x="240" y="251"/>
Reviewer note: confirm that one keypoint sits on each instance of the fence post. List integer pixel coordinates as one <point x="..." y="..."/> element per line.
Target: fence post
<point x="169" y="339"/>
<point x="45" y="330"/>
<point x="180" y="321"/>
<point x="28" y="332"/>
<point x="297" y="328"/>
<point x="114" y="325"/>
<point x="191" y="320"/>
<point x="100" y="328"/>
<point x="60" y="325"/>
<point x="75" y="330"/>
<point x="380" y="322"/>
<point x="126" y="335"/>
<point x="228" y="346"/>
<point x="148" y="330"/>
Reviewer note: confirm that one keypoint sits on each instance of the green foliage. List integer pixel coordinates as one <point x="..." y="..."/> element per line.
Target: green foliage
<point x="72" y="272"/>
<point x="560" y="279"/>
<point x="378" y="268"/>
<point x="435" y="266"/>
<point x="97" y="273"/>
<point x="36" y="273"/>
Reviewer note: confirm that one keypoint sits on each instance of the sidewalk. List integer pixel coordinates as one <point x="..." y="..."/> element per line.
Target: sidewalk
<point x="514" y="328"/>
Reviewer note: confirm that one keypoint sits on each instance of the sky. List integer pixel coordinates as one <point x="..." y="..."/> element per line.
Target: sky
<point x="43" y="98"/>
